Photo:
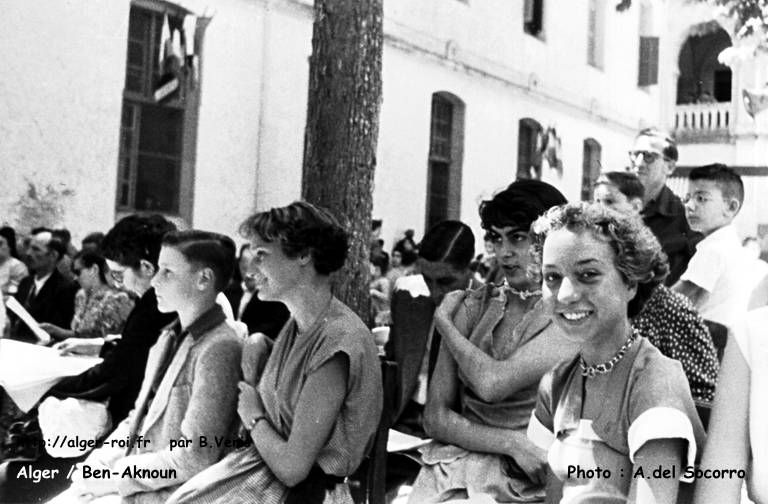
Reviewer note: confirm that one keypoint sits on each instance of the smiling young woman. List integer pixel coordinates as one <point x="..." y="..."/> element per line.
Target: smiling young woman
<point x="619" y="408"/>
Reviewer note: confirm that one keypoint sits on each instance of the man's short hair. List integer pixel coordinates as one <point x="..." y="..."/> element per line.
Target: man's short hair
<point x="669" y="146"/>
<point x="207" y="250"/>
<point x="728" y="181"/>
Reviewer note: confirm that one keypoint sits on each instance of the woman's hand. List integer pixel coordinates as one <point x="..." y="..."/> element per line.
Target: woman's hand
<point x="249" y="404"/>
<point x="79" y="346"/>
<point x="55" y="331"/>
<point x="532" y="460"/>
<point x="447" y="309"/>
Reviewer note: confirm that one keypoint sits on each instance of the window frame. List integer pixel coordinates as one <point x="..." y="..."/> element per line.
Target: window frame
<point x="446" y="152"/>
<point x="186" y="101"/>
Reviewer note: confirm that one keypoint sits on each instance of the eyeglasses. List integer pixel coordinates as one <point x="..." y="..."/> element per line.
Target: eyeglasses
<point x="648" y="156"/>
<point x="116" y="276"/>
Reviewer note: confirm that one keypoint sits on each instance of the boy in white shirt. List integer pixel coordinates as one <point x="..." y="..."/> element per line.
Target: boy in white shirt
<point x="717" y="280"/>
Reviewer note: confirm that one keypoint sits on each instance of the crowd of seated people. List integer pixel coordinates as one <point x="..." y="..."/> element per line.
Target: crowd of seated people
<point x="568" y="374"/>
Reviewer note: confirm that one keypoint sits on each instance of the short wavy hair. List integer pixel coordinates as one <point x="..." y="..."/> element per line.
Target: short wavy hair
<point x="639" y="257"/>
<point x="301" y="228"/>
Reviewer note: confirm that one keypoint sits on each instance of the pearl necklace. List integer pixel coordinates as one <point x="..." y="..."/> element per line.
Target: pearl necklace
<point x="606" y="367"/>
<point x="522" y="294"/>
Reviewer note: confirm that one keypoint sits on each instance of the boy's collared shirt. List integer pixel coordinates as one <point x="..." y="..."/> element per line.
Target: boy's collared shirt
<point x="665" y="215"/>
<point x="722" y="267"/>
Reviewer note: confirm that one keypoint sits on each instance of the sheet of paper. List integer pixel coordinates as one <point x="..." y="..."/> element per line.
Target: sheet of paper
<point x="399" y="441"/>
<point x="21" y="312"/>
<point x="27" y="371"/>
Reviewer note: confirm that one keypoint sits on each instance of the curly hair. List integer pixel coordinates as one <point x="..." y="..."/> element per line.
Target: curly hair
<point x="639" y="258"/>
<point x="301" y="228"/>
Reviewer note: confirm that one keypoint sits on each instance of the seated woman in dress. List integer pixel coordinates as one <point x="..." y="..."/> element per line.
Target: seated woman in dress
<point x="494" y="351"/>
<point x="668" y="319"/>
<point x="738" y="427"/>
<point x="99" y="309"/>
<point x="313" y="409"/>
<point x="619" y="409"/>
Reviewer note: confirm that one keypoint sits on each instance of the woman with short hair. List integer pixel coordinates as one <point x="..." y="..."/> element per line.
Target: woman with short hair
<point x="496" y="345"/>
<point x="311" y="403"/>
<point x="619" y="408"/>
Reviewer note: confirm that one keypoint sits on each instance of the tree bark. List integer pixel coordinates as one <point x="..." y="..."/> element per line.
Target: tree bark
<point x="342" y="130"/>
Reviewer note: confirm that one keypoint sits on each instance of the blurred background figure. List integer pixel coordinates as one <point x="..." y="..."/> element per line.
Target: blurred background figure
<point x="12" y="269"/>
<point x="100" y="310"/>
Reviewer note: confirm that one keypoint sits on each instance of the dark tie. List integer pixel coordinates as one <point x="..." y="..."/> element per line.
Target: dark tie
<point x="31" y="294"/>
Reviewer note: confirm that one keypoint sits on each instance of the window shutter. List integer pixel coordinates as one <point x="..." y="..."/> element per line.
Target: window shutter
<point x="648" y="73"/>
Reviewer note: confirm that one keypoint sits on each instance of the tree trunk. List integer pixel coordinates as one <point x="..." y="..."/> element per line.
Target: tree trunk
<point x="342" y="129"/>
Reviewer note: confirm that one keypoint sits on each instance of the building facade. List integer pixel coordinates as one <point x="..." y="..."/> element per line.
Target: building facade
<point x="197" y="110"/>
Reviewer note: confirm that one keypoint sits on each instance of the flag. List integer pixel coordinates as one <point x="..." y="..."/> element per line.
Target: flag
<point x="165" y="41"/>
<point x="755" y="100"/>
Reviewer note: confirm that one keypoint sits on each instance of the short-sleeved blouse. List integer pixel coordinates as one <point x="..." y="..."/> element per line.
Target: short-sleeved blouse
<point x="753" y="344"/>
<point x="100" y="312"/>
<point x="673" y="325"/>
<point x="294" y="358"/>
<point x="646" y="398"/>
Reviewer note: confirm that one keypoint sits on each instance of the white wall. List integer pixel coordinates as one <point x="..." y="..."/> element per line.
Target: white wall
<point x="63" y="68"/>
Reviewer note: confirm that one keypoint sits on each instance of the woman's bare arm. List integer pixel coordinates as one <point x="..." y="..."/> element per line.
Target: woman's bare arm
<point x="728" y="440"/>
<point x="491" y="379"/>
<point x="444" y="423"/>
<point x="318" y="408"/>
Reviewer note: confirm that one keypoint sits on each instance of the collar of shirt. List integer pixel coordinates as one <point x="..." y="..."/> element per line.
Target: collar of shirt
<point x="664" y="203"/>
<point x="41" y="282"/>
<point x="725" y="235"/>
<point x="204" y="323"/>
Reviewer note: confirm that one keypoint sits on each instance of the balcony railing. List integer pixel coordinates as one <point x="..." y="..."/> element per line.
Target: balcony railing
<point x="703" y="122"/>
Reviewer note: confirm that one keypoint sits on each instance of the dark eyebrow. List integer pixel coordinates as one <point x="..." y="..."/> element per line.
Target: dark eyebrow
<point x="587" y="261"/>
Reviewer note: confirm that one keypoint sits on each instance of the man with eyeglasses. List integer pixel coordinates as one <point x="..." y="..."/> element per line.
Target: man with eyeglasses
<point x="652" y="158"/>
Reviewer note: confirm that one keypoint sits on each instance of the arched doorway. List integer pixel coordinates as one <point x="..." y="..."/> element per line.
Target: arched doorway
<point x="703" y="79"/>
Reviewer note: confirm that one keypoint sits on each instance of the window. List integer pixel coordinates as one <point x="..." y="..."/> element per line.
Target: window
<point x="648" y="63"/>
<point x="595" y="33"/>
<point x="528" y="152"/>
<point x="703" y="79"/>
<point x="590" y="167"/>
<point x="446" y="139"/>
<point x="533" y="17"/>
<point x="157" y="129"/>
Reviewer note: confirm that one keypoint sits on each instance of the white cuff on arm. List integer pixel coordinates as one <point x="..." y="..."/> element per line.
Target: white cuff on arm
<point x="662" y="423"/>
<point x="539" y="434"/>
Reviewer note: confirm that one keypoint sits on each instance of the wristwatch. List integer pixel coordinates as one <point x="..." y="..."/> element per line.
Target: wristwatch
<point x="255" y="420"/>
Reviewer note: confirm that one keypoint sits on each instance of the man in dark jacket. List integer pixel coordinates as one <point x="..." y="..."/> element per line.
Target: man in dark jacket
<point x="653" y="157"/>
<point x="46" y="294"/>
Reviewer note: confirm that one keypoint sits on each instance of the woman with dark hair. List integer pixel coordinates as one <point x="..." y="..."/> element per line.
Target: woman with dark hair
<point x="99" y="309"/>
<point x="495" y="348"/>
<point x="445" y="253"/>
<point x="12" y="270"/>
<point x="619" y="407"/>
<point x="131" y="249"/>
<point x="311" y="402"/>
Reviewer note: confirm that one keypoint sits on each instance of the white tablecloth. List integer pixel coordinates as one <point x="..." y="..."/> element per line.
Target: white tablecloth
<point x="27" y="371"/>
